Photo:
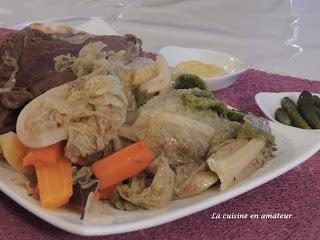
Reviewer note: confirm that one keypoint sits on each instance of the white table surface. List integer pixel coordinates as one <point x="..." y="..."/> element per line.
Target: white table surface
<point x="279" y="36"/>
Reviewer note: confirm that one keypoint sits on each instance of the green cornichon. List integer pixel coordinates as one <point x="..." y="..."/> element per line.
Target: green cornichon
<point x="316" y="101"/>
<point x="186" y="81"/>
<point x="317" y="111"/>
<point x="306" y="108"/>
<point x="291" y="109"/>
<point x="282" y="116"/>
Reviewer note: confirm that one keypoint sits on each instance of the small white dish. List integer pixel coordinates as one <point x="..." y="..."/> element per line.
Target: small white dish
<point x="232" y="65"/>
<point x="269" y="102"/>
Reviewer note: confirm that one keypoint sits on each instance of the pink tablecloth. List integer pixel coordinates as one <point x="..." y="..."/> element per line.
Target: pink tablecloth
<point x="296" y="192"/>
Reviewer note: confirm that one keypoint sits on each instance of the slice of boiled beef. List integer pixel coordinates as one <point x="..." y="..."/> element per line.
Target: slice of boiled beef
<point x="34" y="52"/>
<point x="52" y="80"/>
<point x="8" y="118"/>
<point x="16" y="98"/>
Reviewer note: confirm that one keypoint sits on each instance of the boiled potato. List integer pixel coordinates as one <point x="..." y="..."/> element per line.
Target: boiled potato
<point x="14" y="151"/>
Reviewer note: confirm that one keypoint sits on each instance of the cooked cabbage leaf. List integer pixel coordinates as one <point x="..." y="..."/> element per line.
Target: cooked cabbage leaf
<point x="141" y="96"/>
<point x="157" y="194"/>
<point x="204" y="103"/>
<point x="84" y="185"/>
<point x="235" y="160"/>
<point x="193" y="179"/>
<point x="255" y="127"/>
<point x="182" y="140"/>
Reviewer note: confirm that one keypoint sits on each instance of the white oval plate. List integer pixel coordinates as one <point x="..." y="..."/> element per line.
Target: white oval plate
<point x="294" y="147"/>
<point x="232" y="65"/>
<point x="269" y="102"/>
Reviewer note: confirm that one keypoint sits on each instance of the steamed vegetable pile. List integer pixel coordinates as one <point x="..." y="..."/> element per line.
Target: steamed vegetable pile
<point x="132" y="135"/>
<point x="303" y="114"/>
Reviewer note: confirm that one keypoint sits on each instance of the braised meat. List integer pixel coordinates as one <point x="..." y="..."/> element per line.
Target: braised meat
<point x="27" y="63"/>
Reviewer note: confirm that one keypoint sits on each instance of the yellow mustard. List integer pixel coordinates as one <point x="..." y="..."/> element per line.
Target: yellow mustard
<point x="201" y="69"/>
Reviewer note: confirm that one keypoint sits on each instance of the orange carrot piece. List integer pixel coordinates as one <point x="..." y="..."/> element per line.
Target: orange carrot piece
<point x="36" y="192"/>
<point x="55" y="183"/>
<point x="54" y="175"/>
<point x="107" y="192"/>
<point x="123" y="164"/>
<point x="46" y="156"/>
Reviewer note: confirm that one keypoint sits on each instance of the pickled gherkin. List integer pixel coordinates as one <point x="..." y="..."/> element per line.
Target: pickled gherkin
<point x="291" y="109"/>
<point x="317" y="111"/>
<point x="306" y="108"/>
<point x="316" y="101"/>
<point x="282" y="116"/>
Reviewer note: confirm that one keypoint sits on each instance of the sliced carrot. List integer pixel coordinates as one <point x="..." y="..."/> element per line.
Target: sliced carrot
<point x="107" y="192"/>
<point x="55" y="183"/>
<point x="36" y="192"/>
<point x="46" y="156"/>
<point x="54" y="175"/>
<point x="123" y="164"/>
